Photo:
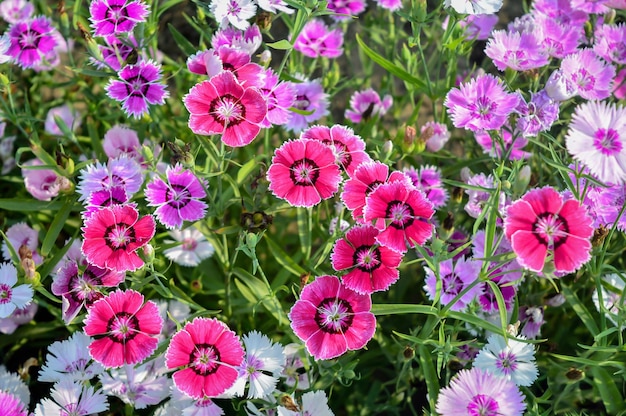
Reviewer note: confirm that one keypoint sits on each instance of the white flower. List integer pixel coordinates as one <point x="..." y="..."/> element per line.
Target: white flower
<point x="12" y="297"/>
<point x="71" y="397"/>
<point x="273" y="6"/>
<point x="313" y="403"/>
<point x="181" y="404"/>
<point x="70" y="359"/>
<point x="474" y="6"/>
<point x="5" y="43"/>
<point x="294" y="372"/>
<point x="263" y="364"/>
<point x="193" y="248"/>
<point x="510" y="359"/>
<point x="12" y="383"/>
<point x="235" y="12"/>
<point x="613" y="302"/>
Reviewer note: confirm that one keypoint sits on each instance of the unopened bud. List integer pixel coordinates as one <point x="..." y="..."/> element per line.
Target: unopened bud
<point x="24" y="252"/>
<point x="457" y="194"/>
<point x="387" y="149"/>
<point x="287" y="402"/>
<point x="30" y="269"/>
<point x="522" y="180"/>
<point x="574" y="374"/>
<point x="265" y="58"/>
<point x="408" y="353"/>
<point x="599" y="235"/>
<point x="148" y="252"/>
<point x="196" y="285"/>
<point x="264" y="20"/>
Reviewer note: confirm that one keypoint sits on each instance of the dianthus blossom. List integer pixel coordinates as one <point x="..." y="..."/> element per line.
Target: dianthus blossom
<point x="591" y="75"/>
<point x="508" y="358"/>
<point x="32" y="41"/>
<point x="316" y="40"/>
<point x="366" y="104"/>
<point x="12" y="296"/>
<point x="455" y="277"/>
<point x="518" y="51"/>
<point x="311" y="98"/>
<point x="112" y="17"/>
<point x="474" y="6"/>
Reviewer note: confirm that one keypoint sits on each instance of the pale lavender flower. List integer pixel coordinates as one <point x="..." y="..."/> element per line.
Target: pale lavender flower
<point x="476" y="392"/>
<point x="613" y="303"/>
<point x="518" y="51"/>
<point x="14" y="11"/>
<point x="122" y="140"/>
<point x="508" y="358"/>
<point x="248" y="41"/>
<point x="537" y="115"/>
<point x="294" y="372"/>
<point x="72" y="397"/>
<point x="310" y="96"/>
<point x="19" y="235"/>
<point x="592" y="76"/>
<point x="138" y="85"/>
<point x="121" y="172"/>
<point x="606" y="205"/>
<point x="67" y="115"/>
<point x="234" y="12"/>
<point x="597" y="138"/>
<point x="42" y="184"/>
<point x="366" y="104"/>
<point x="12" y="405"/>
<point x="182" y="404"/>
<point x="31" y="41"/>
<point x="279" y="96"/>
<point x="391" y="5"/>
<point x="20" y="316"/>
<point x="474" y="6"/>
<point x="193" y="247"/>
<point x="112" y="17"/>
<point x="435" y="134"/>
<point x="178" y="199"/>
<point x="12" y="383"/>
<point x="559" y="87"/>
<point x="5" y="44"/>
<point x="141" y="386"/>
<point x="316" y="40"/>
<point x="335" y="224"/>
<point x="344" y="9"/>
<point x="274" y="6"/>
<point x="263" y="364"/>
<point x="11" y="296"/>
<point x="478" y="26"/>
<point x="478" y="198"/>
<point x="610" y="43"/>
<point x="480" y="104"/>
<point x="531" y="318"/>
<point x="313" y="403"/>
<point x="428" y="180"/>
<point x="70" y="360"/>
<point x="590" y="6"/>
<point x="455" y="277"/>
<point x="172" y="312"/>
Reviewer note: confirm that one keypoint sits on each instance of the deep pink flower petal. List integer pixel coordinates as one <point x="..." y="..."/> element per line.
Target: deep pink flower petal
<point x="361" y="331"/>
<point x="325" y="346"/>
<point x="570" y="256"/>
<point x="531" y="252"/>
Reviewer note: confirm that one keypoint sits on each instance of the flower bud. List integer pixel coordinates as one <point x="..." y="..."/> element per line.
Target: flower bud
<point x="559" y="88"/>
<point x="522" y="180"/>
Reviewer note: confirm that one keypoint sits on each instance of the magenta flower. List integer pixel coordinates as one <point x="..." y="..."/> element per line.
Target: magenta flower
<point x="115" y="51"/>
<point x="480" y="104"/>
<point x="590" y="6"/>
<point x="401" y="213"/>
<point x="303" y="172"/>
<point x="349" y="148"/>
<point x="12" y="405"/>
<point x="428" y="180"/>
<point x="346" y="8"/>
<point x="541" y="223"/>
<point x="126" y="328"/>
<point x="476" y="392"/>
<point x="14" y="11"/>
<point x="518" y="51"/>
<point x="222" y="106"/>
<point x="610" y="43"/>
<point x="364" y="180"/>
<point x="178" y="199"/>
<point x="391" y="5"/>
<point x="82" y="288"/>
<point x="590" y="74"/>
<point x="310" y="97"/>
<point x="316" y="40"/>
<point x="225" y="58"/>
<point x="112" y="236"/>
<point x="248" y="41"/>
<point x="560" y="11"/>
<point x="455" y="277"/>
<point x="112" y="17"/>
<point x="366" y="104"/>
<point x="209" y="353"/>
<point x="31" y="41"/>
<point x="331" y="319"/>
<point x="279" y="96"/>
<point x="137" y="86"/>
<point x="42" y="184"/>
<point x="597" y="138"/>
<point x="371" y="267"/>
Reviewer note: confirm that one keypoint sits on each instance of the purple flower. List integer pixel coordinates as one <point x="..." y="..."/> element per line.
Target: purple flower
<point x="122" y="140"/>
<point x="122" y="172"/>
<point x="279" y="97"/>
<point x="478" y="26"/>
<point x="561" y="12"/>
<point x="435" y="134"/>
<point x="346" y="8"/>
<point x="115" y="52"/>
<point x="590" y="6"/>
<point x="455" y="277"/>
<point x="178" y="199"/>
<point x="112" y="17"/>
<point x="482" y="103"/>
<point x="31" y="41"/>
<point x="19" y="235"/>
<point x="557" y="40"/>
<point x="316" y="40"/>
<point x="391" y="5"/>
<point x="607" y="204"/>
<point x="12" y="405"/>
<point x="476" y="392"/>
<point x="537" y="115"/>
<point x="20" y="316"/>
<point x="591" y="75"/>
<point x="137" y="86"/>
<point x="310" y="97"/>
<point x="42" y="184"/>
<point x="518" y="51"/>
<point x="597" y="138"/>
<point x="531" y="318"/>
<point x="14" y="11"/>
<point x="248" y="41"/>
<point x="68" y="115"/>
<point x="478" y="198"/>
<point x="428" y="180"/>
<point x="102" y="198"/>
<point x="611" y="43"/>
<point x="366" y="104"/>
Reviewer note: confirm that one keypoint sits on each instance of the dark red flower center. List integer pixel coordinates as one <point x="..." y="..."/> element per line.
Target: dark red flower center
<point x="400" y="213"/>
<point x="204" y="359"/>
<point x="334" y="315"/>
<point x="304" y="172"/>
<point x="115" y="14"/>
<point x="119" y="236"/>
<point x="551" y="230"/>
<point x="123" y="327"/>
<point x="367" y="258"/>
<point x="177" y="196"/>
<point x="227" y="110"/>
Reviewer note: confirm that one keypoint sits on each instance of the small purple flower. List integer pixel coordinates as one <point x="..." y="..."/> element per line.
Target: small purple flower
<point x="178" y="199"/>
<point x="31" y="41"/>
<point x="366" y="104"/>
<point x="68" y="115"/>
<point x="559" y="87"/>
<point x="478" y="198"/>
<point x="137" y="86"/>
<point x="112" y="17"/>
<point x="344" y="9"/>
<point x="19" y="235"/>
<point x="591" y="75"/>
<point x="123" y="172"/>
<point x="14" y="11"/>
<point x="478" y="26"/>
<point x="537" y="115"/>
<point x="122" y="140"/>
<point x="20" y="316"/>
<point x="428" y="180"/>
<point x="482" y="103"/>
<point x="476" y="392"/>
<point x="279" y="97"/>
<point x="435" y="134"/>
<point x="607" y="204"/>
<point x="611" y="43"/>
<point x="42" y="184"/>
<point x="310" y="97"/>
<point x="503" y="143"/>
<point x="455" y="277"/>
<point x="248" y="41"/>
<point x="316" y="40"/>
<point x="518" y="51"/>
<point x="115" y="51"/>
<point x="531" y="318"/>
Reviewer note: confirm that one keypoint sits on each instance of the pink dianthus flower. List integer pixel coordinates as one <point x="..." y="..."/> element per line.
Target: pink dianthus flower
<point x="518" y="51"/>
<point x="316" y="40"/>
<point x="591" y="75"/>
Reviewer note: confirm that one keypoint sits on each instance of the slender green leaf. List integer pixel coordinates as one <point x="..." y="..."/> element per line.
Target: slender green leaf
<point x="283" y="258"/>
<point x="182" y="41"/>
<point x="612" y="398"/>
<point x="430" y="375"/>
<point x="31" y="205"/>
<point x="56" y="227"/>
<point x="282" y="45"/>
<point x="581" y="310"/>
<point x="246" y="170"/>
<point x="398" y="309"/>
<point x="305" y="228"/>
